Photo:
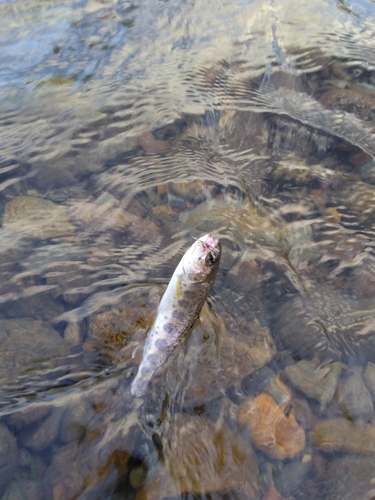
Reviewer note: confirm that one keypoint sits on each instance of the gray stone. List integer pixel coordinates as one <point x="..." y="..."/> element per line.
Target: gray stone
<point x="8" y="456"/>
<point x="367" y="172"/>
<point x="23" y="489"/>
<point x="26" y="416"/>
<point x="354" y="397"/>
<point x="369" y="378"/>
<point x="39" y="437"/>
<point x="314" y="379"/>
<point x="50" y="254"/>
<point x="75" y="420"/>
<point x="26" y="343"/>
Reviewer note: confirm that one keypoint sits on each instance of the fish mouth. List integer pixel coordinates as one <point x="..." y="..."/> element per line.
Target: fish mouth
<point x="209" y="242"/>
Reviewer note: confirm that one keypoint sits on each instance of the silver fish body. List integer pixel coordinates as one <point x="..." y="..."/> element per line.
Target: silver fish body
<point x="179" y="307"/>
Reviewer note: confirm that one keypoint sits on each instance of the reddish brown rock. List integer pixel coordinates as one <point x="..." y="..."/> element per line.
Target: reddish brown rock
<point x="273" y="428"/>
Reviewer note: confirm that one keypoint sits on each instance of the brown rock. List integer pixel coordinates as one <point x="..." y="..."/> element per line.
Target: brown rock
<point x="159" y="485"/>
<point x="273" y="428"/>
<point x="99" y="217"/>
<point x="358" y="159"/>
<point x="150" y="145"/>
<point x="78" y="469"/>
<point x="186" y="188"/>
<point x="339" y="434"/>
<point x="353" y="101"/>
<point x="164" y="213"/>
<point x="242" y="357"/>
<point x="202" y="457"/>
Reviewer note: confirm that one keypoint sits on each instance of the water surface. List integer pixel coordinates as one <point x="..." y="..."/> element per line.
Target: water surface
<point x="126" y="130"/>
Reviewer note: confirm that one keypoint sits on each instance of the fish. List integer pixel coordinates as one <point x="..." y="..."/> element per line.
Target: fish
<point x="179" y="307"/>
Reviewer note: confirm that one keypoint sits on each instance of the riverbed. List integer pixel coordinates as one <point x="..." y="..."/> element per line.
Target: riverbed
<point x="127" y="129"/>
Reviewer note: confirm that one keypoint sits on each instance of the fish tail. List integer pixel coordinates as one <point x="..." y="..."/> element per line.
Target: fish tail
<point x="140" y="383"/>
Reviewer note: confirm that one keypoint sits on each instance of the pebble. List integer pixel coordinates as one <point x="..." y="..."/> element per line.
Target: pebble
<point x="223" y="350"/>
<point x="346" y="477"/>
<point x="85" y="470"/>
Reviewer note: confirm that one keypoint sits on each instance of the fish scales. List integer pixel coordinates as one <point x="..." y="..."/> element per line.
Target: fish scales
<point x="179" y="307"/>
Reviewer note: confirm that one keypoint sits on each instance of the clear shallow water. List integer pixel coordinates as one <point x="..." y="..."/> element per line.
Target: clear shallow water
<point x="126" y="130"/>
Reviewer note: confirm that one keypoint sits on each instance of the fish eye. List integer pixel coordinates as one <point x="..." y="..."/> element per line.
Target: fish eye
<point x="210" y="258"/>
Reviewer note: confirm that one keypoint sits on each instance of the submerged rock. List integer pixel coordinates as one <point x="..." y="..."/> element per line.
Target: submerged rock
<point x="354" y="397"/>
<point x="202" y="457"/>
<point x="327" y="323"/>
<point x="273" y="428"/>
<point x="18" y="490"/>
<point x="350" y="100"/>
<point x="36" y="217"/>
<point x="339" y="434"/>
<point x="347" y="476"/>
<point x="109" y="216"/>
<point x="316" y="380"/>
<point x="246" y="354"/>
<point x="37" y="438"/>
<point x="26" y="343"/>
<point x="76" y="419"/>
<point x="359" y="197"/>
<point x="8" y="456"/>
<point x="369" y="378"/>
<point x="222" y="350"/>
<point x="242" y="217"/>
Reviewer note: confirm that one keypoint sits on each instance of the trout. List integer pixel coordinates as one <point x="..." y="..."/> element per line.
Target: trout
<point x="179" y="307"/>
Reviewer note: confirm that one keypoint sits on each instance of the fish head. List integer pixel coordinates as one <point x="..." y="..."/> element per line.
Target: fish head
<point x="202" y="259"/>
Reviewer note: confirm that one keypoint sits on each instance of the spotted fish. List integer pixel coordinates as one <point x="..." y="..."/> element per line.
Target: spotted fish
<point x="179" y="307"/>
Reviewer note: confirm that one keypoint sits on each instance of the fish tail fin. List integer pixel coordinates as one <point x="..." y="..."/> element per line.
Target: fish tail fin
<point x="140" y="383"/>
